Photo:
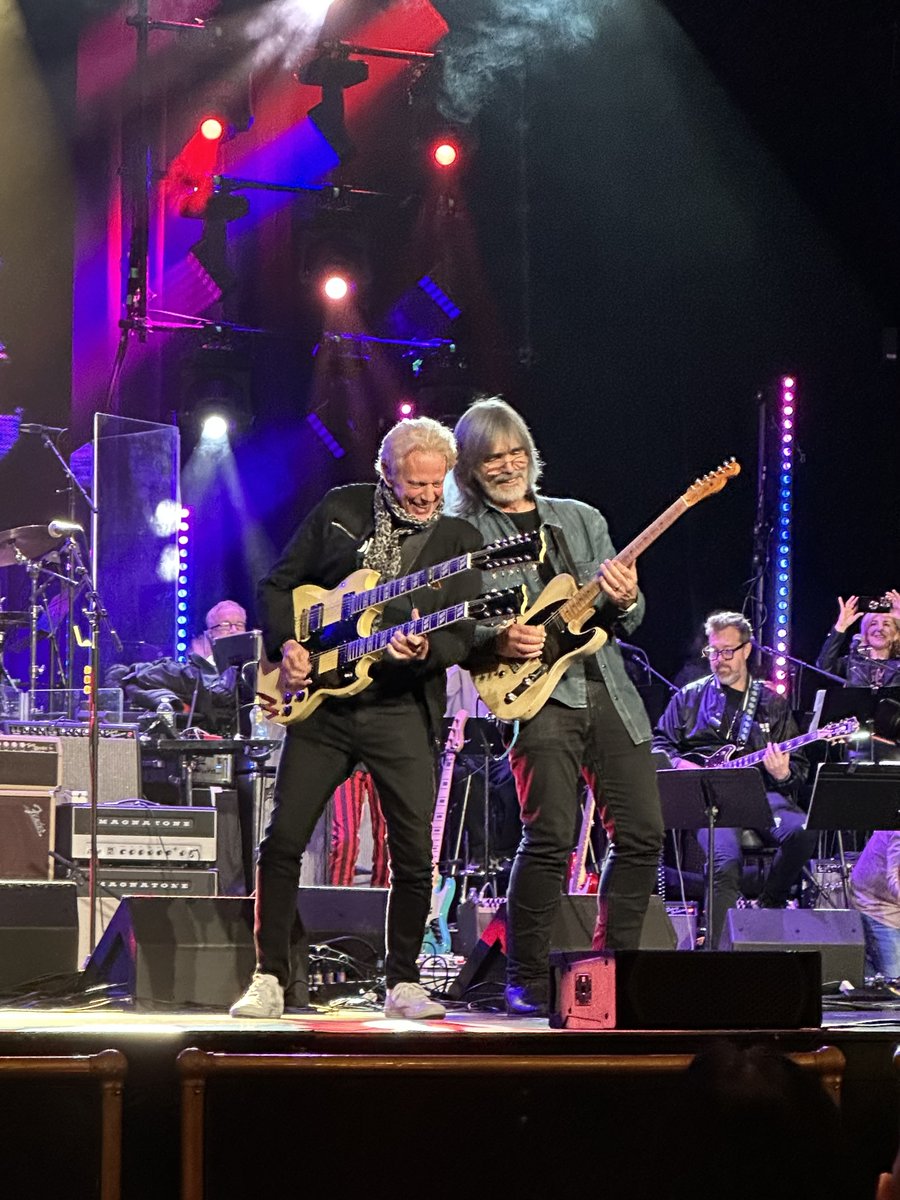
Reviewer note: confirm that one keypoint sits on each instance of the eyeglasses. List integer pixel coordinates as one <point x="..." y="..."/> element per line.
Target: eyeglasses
<point x="237" y="626"/>
<point x="726" y="653"/>
<point x="517" y="457"/>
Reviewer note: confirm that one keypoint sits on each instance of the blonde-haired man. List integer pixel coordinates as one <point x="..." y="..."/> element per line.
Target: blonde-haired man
<point x="393" y="526"/>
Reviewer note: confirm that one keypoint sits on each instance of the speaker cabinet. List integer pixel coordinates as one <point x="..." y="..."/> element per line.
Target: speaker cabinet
<point x="662" y="989"/>
<point x="27" y="819"/>
<point x="836" y="933"/>
<point x="189" y="951"/>
<point x="573" y="929"/>
<point x="38" y="932"/>
<point x="355" y="915"/>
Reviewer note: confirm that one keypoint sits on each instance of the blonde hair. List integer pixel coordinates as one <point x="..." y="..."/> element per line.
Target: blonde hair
<point x="894" y="648"/>
<point x="417" y="433"/>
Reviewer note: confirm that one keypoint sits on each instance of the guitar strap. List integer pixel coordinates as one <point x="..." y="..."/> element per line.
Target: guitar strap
<point x="748" y="715"/>
<point x="561" y="546"/>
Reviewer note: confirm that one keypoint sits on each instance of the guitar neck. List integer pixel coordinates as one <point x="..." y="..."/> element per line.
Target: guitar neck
<point x="441" y="804"/>
<point x="750" y="760"/>
<point x="377" y="642"/>
<point x="428" y="576"/>
<point x="584" y="598"/>
<point x="587" y="820"/>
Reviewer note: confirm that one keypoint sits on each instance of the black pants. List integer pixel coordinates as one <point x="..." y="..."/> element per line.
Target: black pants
<point x="393" y="740"/>
<point x="551" y="749"/>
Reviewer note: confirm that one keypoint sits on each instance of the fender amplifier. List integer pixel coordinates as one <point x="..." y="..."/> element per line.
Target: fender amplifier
<point x="29" y="762"/>
<point x="131" y="833"/>
<point x="26" y="833"/>
<point x="119" y="769"/>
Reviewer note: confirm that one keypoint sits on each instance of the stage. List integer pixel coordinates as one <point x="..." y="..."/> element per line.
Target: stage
<point x="469" y="1104"/>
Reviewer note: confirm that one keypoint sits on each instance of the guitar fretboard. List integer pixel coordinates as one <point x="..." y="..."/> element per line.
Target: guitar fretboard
<point x="358" y="602"/>
<point x="584" y="598"/>
<point x="750" y="760"/>
<point x="375" y="642"/>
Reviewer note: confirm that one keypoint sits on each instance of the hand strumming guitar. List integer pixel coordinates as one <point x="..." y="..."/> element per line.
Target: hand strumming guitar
<point x="520" y="641"/>
<point x="294" y="673"/>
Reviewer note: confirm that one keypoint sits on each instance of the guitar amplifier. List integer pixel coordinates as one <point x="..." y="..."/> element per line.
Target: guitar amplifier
<point x="27" y="762"/>
<point x="137" y="834"/>
<point x="26" y="833"/>
<point x="119" y="772"/>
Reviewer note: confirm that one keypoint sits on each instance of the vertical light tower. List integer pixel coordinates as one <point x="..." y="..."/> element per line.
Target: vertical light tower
<point x="782" y="576"/>
<point x="182" y="606"/>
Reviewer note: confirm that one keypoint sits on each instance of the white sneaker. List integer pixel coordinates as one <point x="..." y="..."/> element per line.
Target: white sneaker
<point x="263" y="999"/>
<point x="410" y="1000"/>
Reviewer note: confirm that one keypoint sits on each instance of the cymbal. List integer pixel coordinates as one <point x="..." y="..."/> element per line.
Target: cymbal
<point x="31" y="541"/>
<point x="8" y="620"/>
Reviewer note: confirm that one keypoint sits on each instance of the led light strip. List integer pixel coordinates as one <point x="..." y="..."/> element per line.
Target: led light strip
<point x="782" y="574"/>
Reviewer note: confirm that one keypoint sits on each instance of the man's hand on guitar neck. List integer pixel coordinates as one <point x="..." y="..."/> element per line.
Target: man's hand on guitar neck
<point x="777" y="763"/>
<point x="294" y="673"/>
<point x="520" y="641"/>
<point x="409" y="647"/>
<point x="619" y="582"/>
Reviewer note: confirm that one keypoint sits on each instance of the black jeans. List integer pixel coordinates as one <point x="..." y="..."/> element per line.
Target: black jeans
<point x="551" y="749"/>
<point x="795" y="845"/>
<point x="392" y="739"/>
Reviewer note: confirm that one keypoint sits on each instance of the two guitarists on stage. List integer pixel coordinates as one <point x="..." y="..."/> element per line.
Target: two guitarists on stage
<point x="373" y="599"/>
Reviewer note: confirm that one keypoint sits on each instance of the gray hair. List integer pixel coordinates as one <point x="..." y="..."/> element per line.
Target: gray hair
<point x="717" y="621"/>
<point x="416" y="433"/>
<point x="485" y="424"/>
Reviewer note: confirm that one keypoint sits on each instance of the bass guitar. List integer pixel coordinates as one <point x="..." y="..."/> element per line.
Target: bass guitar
<point x="325" y="618"/>
<point x="516" y="689"/>
<point x="437" y="933"/>
<point x="583" y="882"/>
<point x="721" y="759"/>
<point x="345" y="670"/>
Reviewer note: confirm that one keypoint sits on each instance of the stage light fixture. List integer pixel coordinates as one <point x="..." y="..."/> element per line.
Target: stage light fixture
<point x="333" y="71"/>
<point x="215" y="427"/>
<point x="445" y="153"/>
<point x="336" y="287"/>
<point x="212" y="128"/>
<point x="406" y="409"/>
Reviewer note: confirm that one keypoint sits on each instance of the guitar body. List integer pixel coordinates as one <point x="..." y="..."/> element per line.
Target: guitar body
<point x="588" y="885"/>
<point x="515" y="689"/>
<point x="330" y="678"/>
<point x="437" y="933"/>
<point x="318" y="614"/>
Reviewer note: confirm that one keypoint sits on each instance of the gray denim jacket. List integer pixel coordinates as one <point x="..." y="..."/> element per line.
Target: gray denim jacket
<point x="588" y="542"/>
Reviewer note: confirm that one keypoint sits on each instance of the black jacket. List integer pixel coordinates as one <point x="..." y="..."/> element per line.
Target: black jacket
<point x="329" y="545"/>
<point x="856" y="668"/>
<point x="196" y="682"/>
<point x="692" y="723"/>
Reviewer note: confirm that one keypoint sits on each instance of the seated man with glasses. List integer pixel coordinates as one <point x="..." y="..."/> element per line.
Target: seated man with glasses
<point x="194" y="686"/>
<point x="728" y="707"/>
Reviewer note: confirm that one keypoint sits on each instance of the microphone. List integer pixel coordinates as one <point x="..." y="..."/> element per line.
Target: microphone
<point x="42" y="429"/>
<point x="633" y="649"/>
<point x="61" y="529"/>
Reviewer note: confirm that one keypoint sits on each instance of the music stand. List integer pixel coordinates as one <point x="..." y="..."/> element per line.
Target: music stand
<point x="237" y="650"/>
<point x="837" y="703"/>
<point x="856" y="795"/>
<point x="713" y="799"/>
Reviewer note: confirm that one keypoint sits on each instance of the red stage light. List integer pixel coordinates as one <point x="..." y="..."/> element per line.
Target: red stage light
<point x="445" y="153"/>
<point x="212" y="128"/>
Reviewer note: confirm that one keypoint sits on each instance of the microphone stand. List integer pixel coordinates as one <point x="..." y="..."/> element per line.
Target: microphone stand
<point x="637" y="652"/>
<point x="97" y="615"/>
<point x="799" y="662"/>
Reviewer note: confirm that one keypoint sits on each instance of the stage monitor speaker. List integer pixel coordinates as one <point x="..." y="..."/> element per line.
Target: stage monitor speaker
<point x="119" y="769"/>
<point x="27" y="818"/>
<point x="185" y="952"/>
<point x="836" y="933"/>
<point x="38" y="932"/>
<point x="573" y="929"/>
<point x="665" y="989"/>
<point x="353" y="917"/>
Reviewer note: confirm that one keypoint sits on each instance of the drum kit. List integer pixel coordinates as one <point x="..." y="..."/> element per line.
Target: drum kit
<point x="29" y="546"/>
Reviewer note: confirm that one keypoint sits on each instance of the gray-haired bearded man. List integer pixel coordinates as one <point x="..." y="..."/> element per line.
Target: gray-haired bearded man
<point x="593" y="723"/>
